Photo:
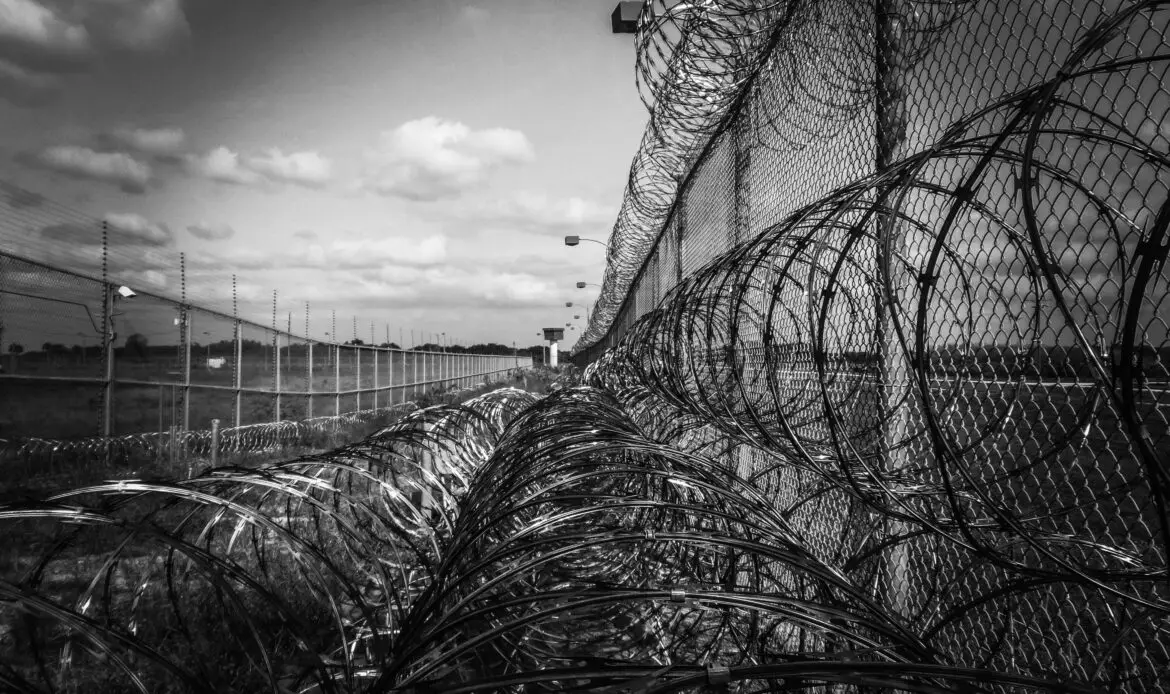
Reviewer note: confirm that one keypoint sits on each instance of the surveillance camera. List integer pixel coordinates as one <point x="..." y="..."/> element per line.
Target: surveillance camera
<point x="126" y="292"/>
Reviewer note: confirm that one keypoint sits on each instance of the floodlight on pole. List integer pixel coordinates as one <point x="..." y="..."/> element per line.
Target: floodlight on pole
<point x="624" y="19"/>
<point x="576" y="240"/>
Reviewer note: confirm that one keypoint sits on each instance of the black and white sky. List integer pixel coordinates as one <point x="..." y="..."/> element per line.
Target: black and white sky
<point x="411" y="162"/>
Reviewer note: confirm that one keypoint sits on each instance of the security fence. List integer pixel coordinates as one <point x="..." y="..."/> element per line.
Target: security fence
<point x="92" y="346"/>
<point x="906" y="262"/>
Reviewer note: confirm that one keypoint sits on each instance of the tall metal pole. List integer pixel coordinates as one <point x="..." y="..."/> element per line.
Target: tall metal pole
<point x="892" y="376"/>
<point x="237" y="363"/>
<point x="276" y="361"/>
<point x="308" y="363"/>
<point x="108" y="355"/>
<point x="108" y="337"/>
<point x="186" y="327"/>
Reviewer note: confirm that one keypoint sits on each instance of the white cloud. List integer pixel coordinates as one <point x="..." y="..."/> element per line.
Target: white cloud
<point x="130" y="174"/>
<point x="159" y="141"/>
<point x="306" y="168"/>
<point x="373" y="252"/>
<point x="223" y="165"/>
<point x="537" y="212"/>
<point x="36" y="34"/>
<point x="431" y="159"/>
<point x="136" y="227"/>
<point x="211" y="232"/>
<point x="41" y="39"/>
<point x="273" y="166"/>
<point x="151" y="280"/>
<point x="348" y="255"/>
<point x="137" y="25"/>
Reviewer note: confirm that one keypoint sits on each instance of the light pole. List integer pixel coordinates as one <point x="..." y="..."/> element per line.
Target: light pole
<point x="582" y="285"/>
<point x="576" y="240"/>
<point x="207" y="363"/>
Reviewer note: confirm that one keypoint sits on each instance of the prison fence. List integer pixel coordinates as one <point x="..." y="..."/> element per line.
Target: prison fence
<point x="907" y="260"/>
<point x="96" y="354"/>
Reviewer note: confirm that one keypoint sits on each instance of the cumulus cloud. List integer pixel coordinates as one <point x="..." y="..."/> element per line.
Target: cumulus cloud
<point x="366" y="253"/>
<point x="40" y="39"/>
<point x="117" y="168"/>
<point x="432" y="159"/>
<point x="125" y="231"/>
<point x="211" y="232"/>
<point x="272" y="166"/>
<point x="537" y="212"/>
<point x="159" y="142"/>
<point x="137" y="25"/>
<point x="304" y="168"/>
<point x="452" y="285"/>
<point x="223" y="165"/>
<point x="140" y="229"/>
<point x="141" y="252"/>
<point x="342" y="254"/>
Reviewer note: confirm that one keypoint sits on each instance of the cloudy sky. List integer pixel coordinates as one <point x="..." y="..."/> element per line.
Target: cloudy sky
<point x="411" y="162"/>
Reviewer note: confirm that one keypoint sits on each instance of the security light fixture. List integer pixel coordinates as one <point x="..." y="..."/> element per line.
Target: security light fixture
<point x="624" y="19"/>
<point x="126" y="292"/>
<point x="568" y="304"/>
<point x="574" y="240"/>
<point x="580" y="285"/>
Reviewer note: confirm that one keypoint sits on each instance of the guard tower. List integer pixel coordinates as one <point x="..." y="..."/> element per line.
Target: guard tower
<point x="553" y="335"/>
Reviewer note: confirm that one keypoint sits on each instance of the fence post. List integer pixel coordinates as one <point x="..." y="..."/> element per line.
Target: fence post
<point x="890" y="120"/>
<point x="186" y="369"/>
<point x="357" y="379"/>
<point x="337" y="380"/>
<point x="108" y="337"/>
<point x="275" y="362"/>
<point x="108" y="340"/>
<point x="186" y="337"/>
<point x="239" y="364"/>
<point x="308" y="364"/>
<point x="214" y="442"/>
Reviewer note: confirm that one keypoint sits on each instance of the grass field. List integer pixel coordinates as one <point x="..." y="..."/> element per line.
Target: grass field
<point x="38" y="400"/>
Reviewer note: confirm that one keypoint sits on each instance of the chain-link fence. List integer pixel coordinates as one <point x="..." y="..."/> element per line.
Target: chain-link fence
<point x="910" y="256"/>
<point x="91" y="349"/>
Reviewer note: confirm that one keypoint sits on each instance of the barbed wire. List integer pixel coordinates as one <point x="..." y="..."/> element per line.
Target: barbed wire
<point x="904" y="440"/>
<point x="240" y="579"/>
<point x="697" y="62"/>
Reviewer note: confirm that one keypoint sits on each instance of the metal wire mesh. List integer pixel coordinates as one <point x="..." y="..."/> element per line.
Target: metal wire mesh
<point x="923" y="269"/>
